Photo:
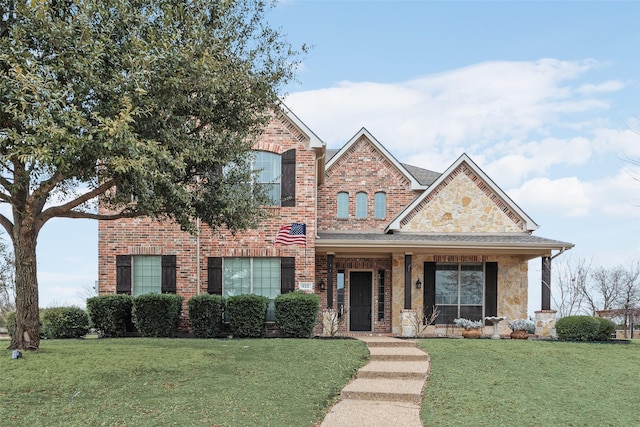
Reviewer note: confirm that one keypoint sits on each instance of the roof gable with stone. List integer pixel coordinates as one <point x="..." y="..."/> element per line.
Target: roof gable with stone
<point x="463" y="199"/>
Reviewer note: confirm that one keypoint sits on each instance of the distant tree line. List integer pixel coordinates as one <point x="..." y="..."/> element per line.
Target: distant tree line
<point x="581" y="288"/>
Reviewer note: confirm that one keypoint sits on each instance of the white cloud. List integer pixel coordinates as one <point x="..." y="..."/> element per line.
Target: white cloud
<point x="473" y="106"/>
<point x="564" y="196"/>
<point x="615" y="197"/>
<point x="625" y="143"/>
<point x="535" y="158"/>
<point x="608" y="86"/>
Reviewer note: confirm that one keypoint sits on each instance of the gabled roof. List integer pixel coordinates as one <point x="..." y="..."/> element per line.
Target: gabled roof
<point x="314" y="141"/>
<point x="395" y="225"/>
<point x="425" y="177"/>
<point x="415" y="184"/>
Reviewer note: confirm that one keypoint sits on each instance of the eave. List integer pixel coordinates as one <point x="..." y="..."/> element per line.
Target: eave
<point x="513" y="244"/>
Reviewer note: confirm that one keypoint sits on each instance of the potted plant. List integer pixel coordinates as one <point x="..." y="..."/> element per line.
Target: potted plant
<point x="521" y="328"/>
<point x="472" y="328"/>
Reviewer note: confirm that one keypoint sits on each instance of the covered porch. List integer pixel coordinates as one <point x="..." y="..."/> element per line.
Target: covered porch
<point x="376" y="283"/>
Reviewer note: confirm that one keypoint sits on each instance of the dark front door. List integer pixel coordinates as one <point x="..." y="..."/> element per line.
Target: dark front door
<point x="360" y="300"/>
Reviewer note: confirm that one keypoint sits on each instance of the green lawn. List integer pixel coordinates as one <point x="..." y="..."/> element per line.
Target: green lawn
<point x="278" y="382"/>
<point x="185" y="382"/>
<point x="531" y="383"/>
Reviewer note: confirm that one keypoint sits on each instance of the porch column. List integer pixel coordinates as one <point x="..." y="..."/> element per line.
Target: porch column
<point x="407" y="281"/>
<point x="546" y="318"/>
<point x="546" y="283"/>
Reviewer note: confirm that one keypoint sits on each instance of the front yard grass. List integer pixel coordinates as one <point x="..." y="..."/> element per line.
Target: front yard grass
<point x="150" y="382"/>
<point x="531" y="383"/>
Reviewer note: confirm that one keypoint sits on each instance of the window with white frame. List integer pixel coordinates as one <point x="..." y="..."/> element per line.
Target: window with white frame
<point x="343" y="205"/>
<point x="147" y="274"/>
<point x="259" y="276"/>
<point x="380" y="205"/>
<point x="361" y="205"/>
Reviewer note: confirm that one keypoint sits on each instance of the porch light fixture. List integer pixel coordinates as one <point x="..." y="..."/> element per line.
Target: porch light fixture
<point x="418" y="284"/>
<point x="321" y="284"/>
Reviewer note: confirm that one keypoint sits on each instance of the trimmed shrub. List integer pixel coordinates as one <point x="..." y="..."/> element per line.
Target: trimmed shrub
<point x="110" y="314"/>
<point x="247" y="314"/>
<point x="157" y="315"/>
<point x="205" y="313"/>
<point x="297" y="314"/>
<point x="64" y="322"/>
<point x="606" y="328"/>
<point x="577" y="328"/>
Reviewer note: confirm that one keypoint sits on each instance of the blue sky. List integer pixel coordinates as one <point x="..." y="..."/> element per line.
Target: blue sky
<point x="543" y="96"/>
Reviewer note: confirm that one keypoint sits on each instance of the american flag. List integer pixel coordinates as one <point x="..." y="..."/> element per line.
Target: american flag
<point x="292" y="234"/>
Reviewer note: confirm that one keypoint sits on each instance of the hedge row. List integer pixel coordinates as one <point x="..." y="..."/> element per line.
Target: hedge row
<point x="158" y="315"/>
<point x="58" y="322"/>
<point x="584" y="328"/>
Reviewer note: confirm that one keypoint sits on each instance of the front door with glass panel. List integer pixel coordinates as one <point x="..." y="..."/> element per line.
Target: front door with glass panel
<point x="360" y="300"/>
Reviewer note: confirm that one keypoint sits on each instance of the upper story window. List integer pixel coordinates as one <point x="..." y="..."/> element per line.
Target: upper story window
<point x="276" y="175"/>
<point x="380" y="205"/>
<point x="270" y="172"/>
<point x="343" y="205"/>
<point x="361" y="205"/>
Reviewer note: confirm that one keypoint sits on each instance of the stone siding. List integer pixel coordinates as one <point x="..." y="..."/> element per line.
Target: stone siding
<point x="512" y="287"/>
<point x="463" y="204"/>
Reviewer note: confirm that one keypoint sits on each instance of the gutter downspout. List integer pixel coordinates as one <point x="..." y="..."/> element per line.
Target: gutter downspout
<point x="321" y="158"/>
<point x="546" y="279"/>
<point x="197" y="256"/>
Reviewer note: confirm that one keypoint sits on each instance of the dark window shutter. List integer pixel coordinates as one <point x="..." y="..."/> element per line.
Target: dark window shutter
<point x="429" y="290"/>
<point x="287" y="274"/>
<point x="123" y="274"/>
<point x="168" y="274"/>
<point x="288" y="178"/>
<point x="491" y="289"/>
<point x="214" y="273"/>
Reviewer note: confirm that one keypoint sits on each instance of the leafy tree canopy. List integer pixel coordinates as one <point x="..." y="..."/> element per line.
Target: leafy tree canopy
<point x="152" y="97"/>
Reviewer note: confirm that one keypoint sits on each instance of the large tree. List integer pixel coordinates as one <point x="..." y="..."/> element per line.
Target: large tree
<point x="141" y="102"/>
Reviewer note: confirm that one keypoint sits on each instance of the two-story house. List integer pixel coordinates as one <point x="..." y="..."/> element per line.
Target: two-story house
<point x="378" y="240"/>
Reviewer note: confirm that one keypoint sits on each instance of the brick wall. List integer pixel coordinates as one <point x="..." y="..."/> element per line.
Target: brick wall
<point x="362" y="168"/>
<point x="144" y="236"/>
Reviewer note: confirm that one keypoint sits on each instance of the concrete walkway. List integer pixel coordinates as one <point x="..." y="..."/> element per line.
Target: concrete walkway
<point x="387" y="391"/>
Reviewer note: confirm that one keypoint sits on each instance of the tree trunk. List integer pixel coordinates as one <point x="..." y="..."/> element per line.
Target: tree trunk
<point x="27" y="333"/>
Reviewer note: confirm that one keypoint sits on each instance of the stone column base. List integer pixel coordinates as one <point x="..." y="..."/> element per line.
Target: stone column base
<point x="546" y="323"/>
<point x="409" y="323"/>
<point x="329" y="322"/>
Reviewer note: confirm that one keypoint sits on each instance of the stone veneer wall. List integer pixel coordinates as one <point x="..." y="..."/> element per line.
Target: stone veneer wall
<point x="512" y="287"/>
<point x="463" y="205"/>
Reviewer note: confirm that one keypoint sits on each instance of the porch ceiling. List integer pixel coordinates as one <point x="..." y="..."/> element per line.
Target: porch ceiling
<point x="518" y="244"/>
